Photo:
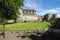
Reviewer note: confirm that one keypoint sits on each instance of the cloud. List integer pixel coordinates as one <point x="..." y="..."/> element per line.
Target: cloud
<point x="32" y="4"/>
<point x="37" y="5"/>
<point x="51" y="11"/>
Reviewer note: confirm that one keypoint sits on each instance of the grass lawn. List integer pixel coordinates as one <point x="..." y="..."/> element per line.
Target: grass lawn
<point x="26" y="26"/>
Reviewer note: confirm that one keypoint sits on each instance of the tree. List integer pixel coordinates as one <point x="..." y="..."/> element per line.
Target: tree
<point x="9" y="9"/>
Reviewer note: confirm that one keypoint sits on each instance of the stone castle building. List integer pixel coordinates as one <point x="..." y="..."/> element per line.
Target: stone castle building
<point x="28" y="15"/>
<point x="48" y="16"/>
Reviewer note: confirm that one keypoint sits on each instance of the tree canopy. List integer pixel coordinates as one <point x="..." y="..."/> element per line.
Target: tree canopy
<point x="9" y="8"/>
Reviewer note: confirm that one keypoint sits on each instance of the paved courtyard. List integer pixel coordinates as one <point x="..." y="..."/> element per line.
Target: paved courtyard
<point x="17" y="35"/>
<point x="30" y="35"/>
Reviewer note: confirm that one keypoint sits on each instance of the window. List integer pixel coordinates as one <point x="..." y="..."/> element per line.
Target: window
<point x="31" y="12"/>
<point x="28" y="12"/>
<point x="24" y="11"/>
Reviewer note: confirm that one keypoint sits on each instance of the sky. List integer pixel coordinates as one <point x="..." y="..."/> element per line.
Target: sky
<point x="43" y="7"/>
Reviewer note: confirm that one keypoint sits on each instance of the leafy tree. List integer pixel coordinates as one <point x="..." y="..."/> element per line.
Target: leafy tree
<point x="9" y="9"/>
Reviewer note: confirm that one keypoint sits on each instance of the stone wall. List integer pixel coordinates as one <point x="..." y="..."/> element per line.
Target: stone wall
<point x="23" y="17"/>
<point x="30" y="18"/>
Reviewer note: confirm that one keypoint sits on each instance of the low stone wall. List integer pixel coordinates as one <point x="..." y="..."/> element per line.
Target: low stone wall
<point x="10" y="21"/>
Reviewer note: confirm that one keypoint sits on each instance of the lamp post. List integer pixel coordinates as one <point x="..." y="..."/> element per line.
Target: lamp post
<point x="4" y="22"/>
<point x="2" y="5"/>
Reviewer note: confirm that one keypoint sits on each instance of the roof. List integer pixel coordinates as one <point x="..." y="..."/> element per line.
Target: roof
<point x="29" y="9"/>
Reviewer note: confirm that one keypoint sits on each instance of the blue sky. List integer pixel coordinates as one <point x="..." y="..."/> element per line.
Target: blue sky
<point x="43" y="6"/>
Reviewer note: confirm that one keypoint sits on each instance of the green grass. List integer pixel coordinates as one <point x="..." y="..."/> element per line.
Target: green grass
<point x="26" y="26"/>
